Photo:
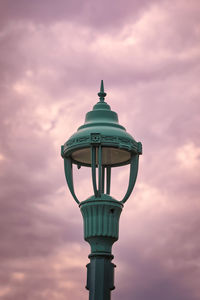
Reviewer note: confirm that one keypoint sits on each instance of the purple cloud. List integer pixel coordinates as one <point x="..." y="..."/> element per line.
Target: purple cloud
<point x="53" y="57"/>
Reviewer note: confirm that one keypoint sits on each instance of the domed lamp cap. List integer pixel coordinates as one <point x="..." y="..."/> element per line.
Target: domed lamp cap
<point x="101" y="128"/>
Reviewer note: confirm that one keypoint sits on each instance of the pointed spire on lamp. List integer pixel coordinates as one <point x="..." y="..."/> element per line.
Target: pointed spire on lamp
<point x="102" y="94"/>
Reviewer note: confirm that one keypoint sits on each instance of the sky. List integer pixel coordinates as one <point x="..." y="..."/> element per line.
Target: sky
<point x="53" y="55"/>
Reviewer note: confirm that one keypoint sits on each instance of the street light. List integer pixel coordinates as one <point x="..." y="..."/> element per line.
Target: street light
<point x="101" y="144"/>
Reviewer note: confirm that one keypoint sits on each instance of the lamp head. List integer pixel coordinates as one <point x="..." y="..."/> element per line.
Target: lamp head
<point x="101" y="141"/>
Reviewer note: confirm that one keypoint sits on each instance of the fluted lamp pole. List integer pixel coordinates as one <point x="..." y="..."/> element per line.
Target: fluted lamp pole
<point x="101" y="144"/>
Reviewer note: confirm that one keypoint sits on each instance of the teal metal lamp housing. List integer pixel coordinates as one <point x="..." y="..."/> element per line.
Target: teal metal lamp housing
<point x="101" y="144"/>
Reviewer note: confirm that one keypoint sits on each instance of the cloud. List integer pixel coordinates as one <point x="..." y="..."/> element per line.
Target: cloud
<point x="53" y="57"/>
<point x="102" y="15"/>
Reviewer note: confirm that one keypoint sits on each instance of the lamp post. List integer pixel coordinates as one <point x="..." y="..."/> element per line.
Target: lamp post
<point x="101" y="144"/>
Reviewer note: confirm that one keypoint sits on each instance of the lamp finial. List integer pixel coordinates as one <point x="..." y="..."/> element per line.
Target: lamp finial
<point x="102" y="94"/>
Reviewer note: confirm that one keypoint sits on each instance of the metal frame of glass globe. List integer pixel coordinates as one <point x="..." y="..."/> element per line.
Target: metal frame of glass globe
<point x="101" y="143"/>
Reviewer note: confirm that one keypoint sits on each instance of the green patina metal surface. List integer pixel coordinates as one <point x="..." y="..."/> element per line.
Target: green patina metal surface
<point x="101" y="127"/>
<point x="101" y="143"/>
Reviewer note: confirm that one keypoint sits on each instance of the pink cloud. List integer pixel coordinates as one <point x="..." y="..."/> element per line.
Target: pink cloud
<point x="53" y="58"/>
